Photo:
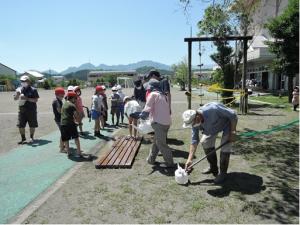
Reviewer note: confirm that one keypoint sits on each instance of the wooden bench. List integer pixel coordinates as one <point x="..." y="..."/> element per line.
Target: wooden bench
<point x="121" y="155"/>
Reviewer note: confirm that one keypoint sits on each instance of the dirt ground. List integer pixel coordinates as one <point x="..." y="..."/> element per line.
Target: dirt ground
<point x="262" y="184"/>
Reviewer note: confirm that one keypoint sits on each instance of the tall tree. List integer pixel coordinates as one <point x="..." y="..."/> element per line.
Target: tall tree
<point x="285" y="30"/>
<point x="216" y="22"/>
<point x="181" y="73"/>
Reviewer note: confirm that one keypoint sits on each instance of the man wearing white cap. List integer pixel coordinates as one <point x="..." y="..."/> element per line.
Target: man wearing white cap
<point x="27" y="110"/>
<point x="211" y="119"/>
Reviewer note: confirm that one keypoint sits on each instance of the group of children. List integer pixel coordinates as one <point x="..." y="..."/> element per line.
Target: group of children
<point x="68" y="112"/>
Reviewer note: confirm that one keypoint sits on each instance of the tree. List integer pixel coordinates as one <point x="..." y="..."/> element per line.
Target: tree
<point x="181" y="73"/>
<point x="46" y="85"/>
<point x="285" y="30"/>
<point x="216" y="23"/>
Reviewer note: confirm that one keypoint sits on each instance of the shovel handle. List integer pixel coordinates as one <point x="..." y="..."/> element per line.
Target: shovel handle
<point x="204" y="157"/>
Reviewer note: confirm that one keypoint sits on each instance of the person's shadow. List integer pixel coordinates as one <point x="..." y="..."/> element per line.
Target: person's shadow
<point x="244" y="183"/>
<point x="39" y="142"/>
<point x="86" y="158"/>
<point x="163" y="169"/>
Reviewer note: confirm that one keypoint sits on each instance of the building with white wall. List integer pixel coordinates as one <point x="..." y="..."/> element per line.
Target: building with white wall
<point x="259" y="58"/>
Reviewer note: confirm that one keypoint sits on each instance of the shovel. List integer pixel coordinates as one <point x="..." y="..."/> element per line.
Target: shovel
<point x="181" y="175"/>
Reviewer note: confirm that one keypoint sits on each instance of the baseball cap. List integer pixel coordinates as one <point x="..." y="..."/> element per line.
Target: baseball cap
<point x="99" y="88"/>
<point x="59" y="91"/>
<point x="70" y="88"/>
<point x="71" y="94"/>
<point x="76" y="88"/>
<point x="119" y="87"/>
<point x="188" y="117"/>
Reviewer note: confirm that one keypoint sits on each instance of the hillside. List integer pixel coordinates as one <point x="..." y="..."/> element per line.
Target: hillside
<point x="132" y="66"/>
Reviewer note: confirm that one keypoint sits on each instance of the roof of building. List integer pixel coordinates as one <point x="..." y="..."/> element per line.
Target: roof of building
<point x="34" y="73"/>
<point x="7" y="67"/>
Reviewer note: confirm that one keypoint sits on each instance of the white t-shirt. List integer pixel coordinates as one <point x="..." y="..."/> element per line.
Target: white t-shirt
<point x="97" y="103"/>
<point x="131" y="107"/>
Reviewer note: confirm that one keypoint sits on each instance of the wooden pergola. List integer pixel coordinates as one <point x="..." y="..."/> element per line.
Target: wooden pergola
<point x="190" y="40"/>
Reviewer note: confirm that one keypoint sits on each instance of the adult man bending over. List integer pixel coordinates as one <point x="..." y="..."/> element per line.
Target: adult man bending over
<point x="28" y="97"/>
<point x="212" y="118"/>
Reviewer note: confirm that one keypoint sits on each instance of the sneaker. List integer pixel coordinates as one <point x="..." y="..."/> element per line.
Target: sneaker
<point x="23" y="141"/>
<point x="31" y="140"/>
<point x="220" y="178"/>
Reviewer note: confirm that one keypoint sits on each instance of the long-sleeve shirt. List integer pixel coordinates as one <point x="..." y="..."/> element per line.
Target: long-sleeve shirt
<point x="158" y="107"/>
<point x="216" y="118"/>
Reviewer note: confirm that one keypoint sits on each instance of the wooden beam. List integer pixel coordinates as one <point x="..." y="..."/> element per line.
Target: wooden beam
<point x="228" y="38"/>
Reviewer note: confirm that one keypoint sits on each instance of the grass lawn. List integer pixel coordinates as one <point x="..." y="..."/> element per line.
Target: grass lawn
<point x="262" y="184"/>
<point x="275" y="100"/>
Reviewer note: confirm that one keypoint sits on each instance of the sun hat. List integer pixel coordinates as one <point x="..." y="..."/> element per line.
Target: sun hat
<point x="114" y="89"/>
<point x="71" y="94"/>
<point x="70" y="88"/>
<point x="188" y="117"/>
<point x="154" y="85"/>
<point x="153" y="73"/>
<point x="24" y="78"/>
<point x="126" y="98"/>
<point x="59" y="91"/>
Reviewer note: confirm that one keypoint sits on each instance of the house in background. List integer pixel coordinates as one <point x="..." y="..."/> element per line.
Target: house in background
<point x="259" y="58"/>
<point x="37" y="76"/>
<point x="57" y="79"/>
<point x="7" y="84"/>
<point x="5" y="70"/>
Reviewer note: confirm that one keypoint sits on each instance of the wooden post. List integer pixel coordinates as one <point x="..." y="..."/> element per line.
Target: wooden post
<point x="245" y="105"/>
<point x="190" y="74"/>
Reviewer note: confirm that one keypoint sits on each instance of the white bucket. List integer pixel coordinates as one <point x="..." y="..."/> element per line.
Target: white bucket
<point x="181" y="176"/>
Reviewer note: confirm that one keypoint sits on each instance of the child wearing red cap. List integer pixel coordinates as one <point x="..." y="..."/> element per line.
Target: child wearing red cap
<point x="79" y="108"/>
<point x="97" y="108"/>
<point x="56" y="107"/>
<point x="68" y="127"/>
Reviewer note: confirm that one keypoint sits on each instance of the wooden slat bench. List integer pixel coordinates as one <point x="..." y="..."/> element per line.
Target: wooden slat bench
<point x="121" y="155"/>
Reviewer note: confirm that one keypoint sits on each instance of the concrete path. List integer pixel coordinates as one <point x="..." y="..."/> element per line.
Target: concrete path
<point x="27" y="171"/>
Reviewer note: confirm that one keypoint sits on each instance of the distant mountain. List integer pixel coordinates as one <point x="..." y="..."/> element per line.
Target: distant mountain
<point x="52" y="72"/>
<point x="132" y="66"/>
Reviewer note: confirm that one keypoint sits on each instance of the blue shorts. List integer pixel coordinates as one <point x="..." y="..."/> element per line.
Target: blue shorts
<point x="95" y="114"/>
<point x="135" y="115"/>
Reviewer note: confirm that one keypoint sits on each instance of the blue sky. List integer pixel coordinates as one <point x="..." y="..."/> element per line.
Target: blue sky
<point x="56" y="34"/>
